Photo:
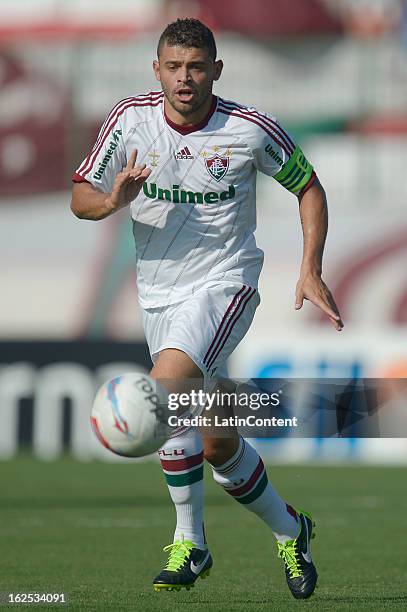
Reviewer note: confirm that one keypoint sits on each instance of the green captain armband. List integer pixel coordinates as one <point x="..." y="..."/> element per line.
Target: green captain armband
<point x="296" y="173"/>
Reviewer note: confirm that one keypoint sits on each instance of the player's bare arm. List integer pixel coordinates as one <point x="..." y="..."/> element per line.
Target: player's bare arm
<point x="91" y="204"/>
<point x="310" y="286"/>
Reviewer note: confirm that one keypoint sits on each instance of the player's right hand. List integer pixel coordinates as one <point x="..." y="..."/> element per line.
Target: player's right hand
<point x="128" y="183"/>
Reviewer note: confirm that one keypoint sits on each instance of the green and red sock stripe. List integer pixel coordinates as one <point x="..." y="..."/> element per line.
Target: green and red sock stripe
<point x="253" y="488"/>
<point x="183" y="472"/>
<point x="292" y="511"/>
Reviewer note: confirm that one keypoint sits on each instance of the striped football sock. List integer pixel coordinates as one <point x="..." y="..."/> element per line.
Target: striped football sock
<point x="244" y="477"/>
<point x="182" y="462"/>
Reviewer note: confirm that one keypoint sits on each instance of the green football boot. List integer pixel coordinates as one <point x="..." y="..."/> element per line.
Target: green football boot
<point x="300" y="571"/>
<point x="185" y="564"/>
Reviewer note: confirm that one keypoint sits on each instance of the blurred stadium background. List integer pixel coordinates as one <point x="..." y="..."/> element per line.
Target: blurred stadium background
<point x="333" y="71"/>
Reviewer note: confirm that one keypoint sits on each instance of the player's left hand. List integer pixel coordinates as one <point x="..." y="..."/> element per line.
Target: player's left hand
<point x="311" y="287"/>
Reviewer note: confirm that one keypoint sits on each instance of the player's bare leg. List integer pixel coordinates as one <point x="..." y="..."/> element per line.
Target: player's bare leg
<point x="182" y="461"/>
<point x="175" y="364"/>
<point x="238" y="468"/>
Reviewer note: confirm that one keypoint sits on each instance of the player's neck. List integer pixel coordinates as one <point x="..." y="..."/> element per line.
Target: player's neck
<point x="193" y="121"/>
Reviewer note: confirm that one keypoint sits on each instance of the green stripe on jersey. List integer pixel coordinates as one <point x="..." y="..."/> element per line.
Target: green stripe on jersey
<point x="182" y="480"/>
<point x="296" y="173"/>
<point x="254" y="493"/>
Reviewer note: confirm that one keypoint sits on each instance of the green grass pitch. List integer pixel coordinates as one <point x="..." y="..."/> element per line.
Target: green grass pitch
<point x="95" y="531"/>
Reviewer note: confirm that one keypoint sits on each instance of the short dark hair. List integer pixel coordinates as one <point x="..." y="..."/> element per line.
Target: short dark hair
<point x="189" y="33"/>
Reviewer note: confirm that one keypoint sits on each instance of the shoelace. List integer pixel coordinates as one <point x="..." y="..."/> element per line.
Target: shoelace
<point x="289" y="552"/>
<point x="179" y="551"/>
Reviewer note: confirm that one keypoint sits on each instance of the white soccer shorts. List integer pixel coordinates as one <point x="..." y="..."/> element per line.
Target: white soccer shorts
<point x="207" y="326"/>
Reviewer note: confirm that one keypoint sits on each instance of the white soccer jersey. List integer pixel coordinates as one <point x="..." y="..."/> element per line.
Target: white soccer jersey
<point x="195" y="217"/>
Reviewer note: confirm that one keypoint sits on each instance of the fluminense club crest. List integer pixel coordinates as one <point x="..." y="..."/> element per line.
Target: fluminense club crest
<point x="217" y="166"/>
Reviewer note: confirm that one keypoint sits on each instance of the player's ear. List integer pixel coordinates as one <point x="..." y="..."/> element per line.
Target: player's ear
<point x="156" y="68"/>
<point x="218" y="69"/>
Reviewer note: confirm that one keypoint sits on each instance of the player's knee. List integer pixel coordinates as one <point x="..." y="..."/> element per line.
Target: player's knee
<point x="219" y="450"/>
<point x="173" y="364"/>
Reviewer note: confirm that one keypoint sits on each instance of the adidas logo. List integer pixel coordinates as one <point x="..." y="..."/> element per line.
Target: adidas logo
<point x="185" y="153"/>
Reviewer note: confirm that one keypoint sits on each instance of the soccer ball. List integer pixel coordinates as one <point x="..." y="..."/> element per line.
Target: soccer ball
<point x="130" y="415"/>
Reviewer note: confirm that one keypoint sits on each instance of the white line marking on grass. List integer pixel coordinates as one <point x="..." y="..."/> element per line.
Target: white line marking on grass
<point x="112" y="523"/>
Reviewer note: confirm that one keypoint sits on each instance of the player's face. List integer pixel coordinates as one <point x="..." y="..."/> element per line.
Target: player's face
<point x="187" y="77"/>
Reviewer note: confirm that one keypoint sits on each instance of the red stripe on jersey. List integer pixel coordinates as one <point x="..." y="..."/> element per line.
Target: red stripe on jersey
<point x="229" y="327"/>
<point x="77" y="178"/>
<point x="177" y="465"/>
<point x="140" y="98"/>
<point x="101" y="131"/>
<point x="262" y="117"/>
<point x="109" y="130"/>
<point x="119" y="110"/>
<point x="218" y="331"/>
<point x="233" y="113"/>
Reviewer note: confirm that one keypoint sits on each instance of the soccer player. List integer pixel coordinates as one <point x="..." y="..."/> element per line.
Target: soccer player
<point x="186" y="161"/>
